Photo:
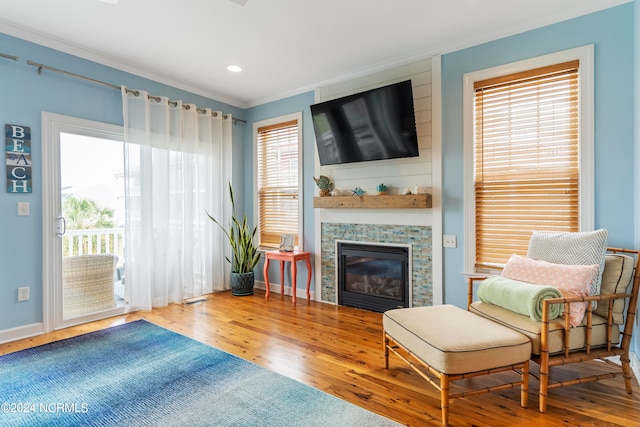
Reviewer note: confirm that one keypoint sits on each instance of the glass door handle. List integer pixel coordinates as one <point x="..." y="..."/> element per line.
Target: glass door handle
<point x="62" y="226"/>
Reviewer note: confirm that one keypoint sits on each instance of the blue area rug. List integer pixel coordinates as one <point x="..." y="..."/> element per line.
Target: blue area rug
<point x="139" y="374"/>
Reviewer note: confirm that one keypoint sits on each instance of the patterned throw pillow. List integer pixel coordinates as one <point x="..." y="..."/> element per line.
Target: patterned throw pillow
<point x="579" y="248"/>
<point x="570" y="280"/>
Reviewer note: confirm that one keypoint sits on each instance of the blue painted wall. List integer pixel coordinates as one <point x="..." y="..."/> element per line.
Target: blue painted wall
<point x="25" y="94"/>
<point x="636" y="334"/>
<point x="611" y="31"/>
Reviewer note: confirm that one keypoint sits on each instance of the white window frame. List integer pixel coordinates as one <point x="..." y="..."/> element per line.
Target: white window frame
<point x="256" y="203"/>
<point x="585" y="54"/>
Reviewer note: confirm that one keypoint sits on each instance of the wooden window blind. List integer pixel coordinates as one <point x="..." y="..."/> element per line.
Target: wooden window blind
<point x="526" y="159"/>
<point x="278" y="182"/>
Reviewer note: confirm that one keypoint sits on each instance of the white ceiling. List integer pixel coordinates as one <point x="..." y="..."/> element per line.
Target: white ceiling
<point x="285" y="47"/>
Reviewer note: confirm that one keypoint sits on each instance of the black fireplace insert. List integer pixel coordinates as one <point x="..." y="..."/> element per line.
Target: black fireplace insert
<point x="373" y="277"/>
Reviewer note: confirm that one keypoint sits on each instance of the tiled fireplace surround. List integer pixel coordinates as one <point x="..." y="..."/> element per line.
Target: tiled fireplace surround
<point x="418" y="236"/>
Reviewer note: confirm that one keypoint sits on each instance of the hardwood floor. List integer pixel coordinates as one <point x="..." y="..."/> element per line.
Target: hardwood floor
<point x="339" y="350"/>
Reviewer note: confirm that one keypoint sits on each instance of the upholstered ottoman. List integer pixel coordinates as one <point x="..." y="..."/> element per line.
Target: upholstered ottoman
<point x="451" y="344"/>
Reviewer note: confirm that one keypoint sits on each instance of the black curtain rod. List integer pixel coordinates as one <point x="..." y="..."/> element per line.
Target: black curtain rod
<point x="78" y="76"/>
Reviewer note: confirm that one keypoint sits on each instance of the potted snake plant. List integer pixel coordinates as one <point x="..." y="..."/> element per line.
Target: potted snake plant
<point x="244" y="253"/>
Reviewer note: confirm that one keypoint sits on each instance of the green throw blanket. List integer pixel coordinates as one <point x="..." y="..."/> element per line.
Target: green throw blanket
<point x="520" y="297"/>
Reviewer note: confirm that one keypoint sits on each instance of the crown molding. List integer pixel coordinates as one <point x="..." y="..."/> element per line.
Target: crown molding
<point x="52" y="43"/>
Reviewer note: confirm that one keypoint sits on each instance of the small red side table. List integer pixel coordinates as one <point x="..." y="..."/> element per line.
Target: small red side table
<point x="292" y="257"/>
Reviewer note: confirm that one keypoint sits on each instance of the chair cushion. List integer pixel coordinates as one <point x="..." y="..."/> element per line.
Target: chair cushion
<point x="533" y="329"/>
<point x="570" y="280"/>
<point x="616" y="279"/>
<point x="585" y="248"/>
<point x="454" y="341"/>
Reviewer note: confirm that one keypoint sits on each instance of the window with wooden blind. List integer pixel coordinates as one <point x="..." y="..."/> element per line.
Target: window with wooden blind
<point x="526" y="159"/>
<point x="278" y="178"/>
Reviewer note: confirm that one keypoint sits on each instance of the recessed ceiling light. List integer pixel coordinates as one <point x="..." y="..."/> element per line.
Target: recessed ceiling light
<point x="234" y="68"/>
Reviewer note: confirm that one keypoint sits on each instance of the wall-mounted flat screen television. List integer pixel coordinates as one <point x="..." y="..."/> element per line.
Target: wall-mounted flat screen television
<point x="374" y="125"/>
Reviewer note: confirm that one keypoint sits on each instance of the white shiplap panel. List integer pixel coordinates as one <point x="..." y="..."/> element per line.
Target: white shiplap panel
<point x="422" y="98"/>
<point x="395" y="173"/>
<point x="422" y="107"/>
<point x="418" y="72"/>
<point x="424" y="130"/>
<point x="421" y="78"/>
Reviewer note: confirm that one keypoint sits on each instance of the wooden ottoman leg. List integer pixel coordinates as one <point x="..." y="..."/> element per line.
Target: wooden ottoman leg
<point x="385" y="345"/>
<point x="444" y="398"/>
<point x="524" y="388"/>
<point x="627" y="372"/>
<point x="544" y="380"/>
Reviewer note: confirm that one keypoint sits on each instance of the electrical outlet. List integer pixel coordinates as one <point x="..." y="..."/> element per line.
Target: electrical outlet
<point x="23" y="294"/>
<point x="449" y="241"/>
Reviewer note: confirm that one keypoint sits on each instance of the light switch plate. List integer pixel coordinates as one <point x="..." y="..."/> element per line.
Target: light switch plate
<point x="23" y="208"/>
<point x="449" y="241"/>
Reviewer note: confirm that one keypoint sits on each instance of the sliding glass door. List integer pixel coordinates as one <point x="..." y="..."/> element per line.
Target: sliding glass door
<point x="83" y="220"/>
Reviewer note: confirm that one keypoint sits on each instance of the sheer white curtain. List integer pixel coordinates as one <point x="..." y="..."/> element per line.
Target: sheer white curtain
<point x="177" y="165"/>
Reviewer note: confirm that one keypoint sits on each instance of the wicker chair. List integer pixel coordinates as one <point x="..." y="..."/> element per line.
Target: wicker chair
<point x="87" y="284"/>
<point x="603" y="333"/>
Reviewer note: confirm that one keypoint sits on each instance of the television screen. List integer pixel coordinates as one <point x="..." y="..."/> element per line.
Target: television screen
<point x="373" y="125"/>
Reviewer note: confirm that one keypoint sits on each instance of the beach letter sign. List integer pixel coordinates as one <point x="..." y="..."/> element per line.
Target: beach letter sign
<point x="18" y="147"/>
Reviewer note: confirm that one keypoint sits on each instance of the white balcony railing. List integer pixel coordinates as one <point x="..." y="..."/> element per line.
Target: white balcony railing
<point x="94" y="241"/>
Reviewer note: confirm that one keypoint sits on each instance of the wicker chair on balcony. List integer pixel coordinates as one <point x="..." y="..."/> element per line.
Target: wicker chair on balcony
<point x="87" y="284"/>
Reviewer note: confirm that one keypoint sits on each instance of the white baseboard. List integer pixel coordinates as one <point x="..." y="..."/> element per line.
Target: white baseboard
<point x="261" y="285"/>
<point x="21" y="332"/>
